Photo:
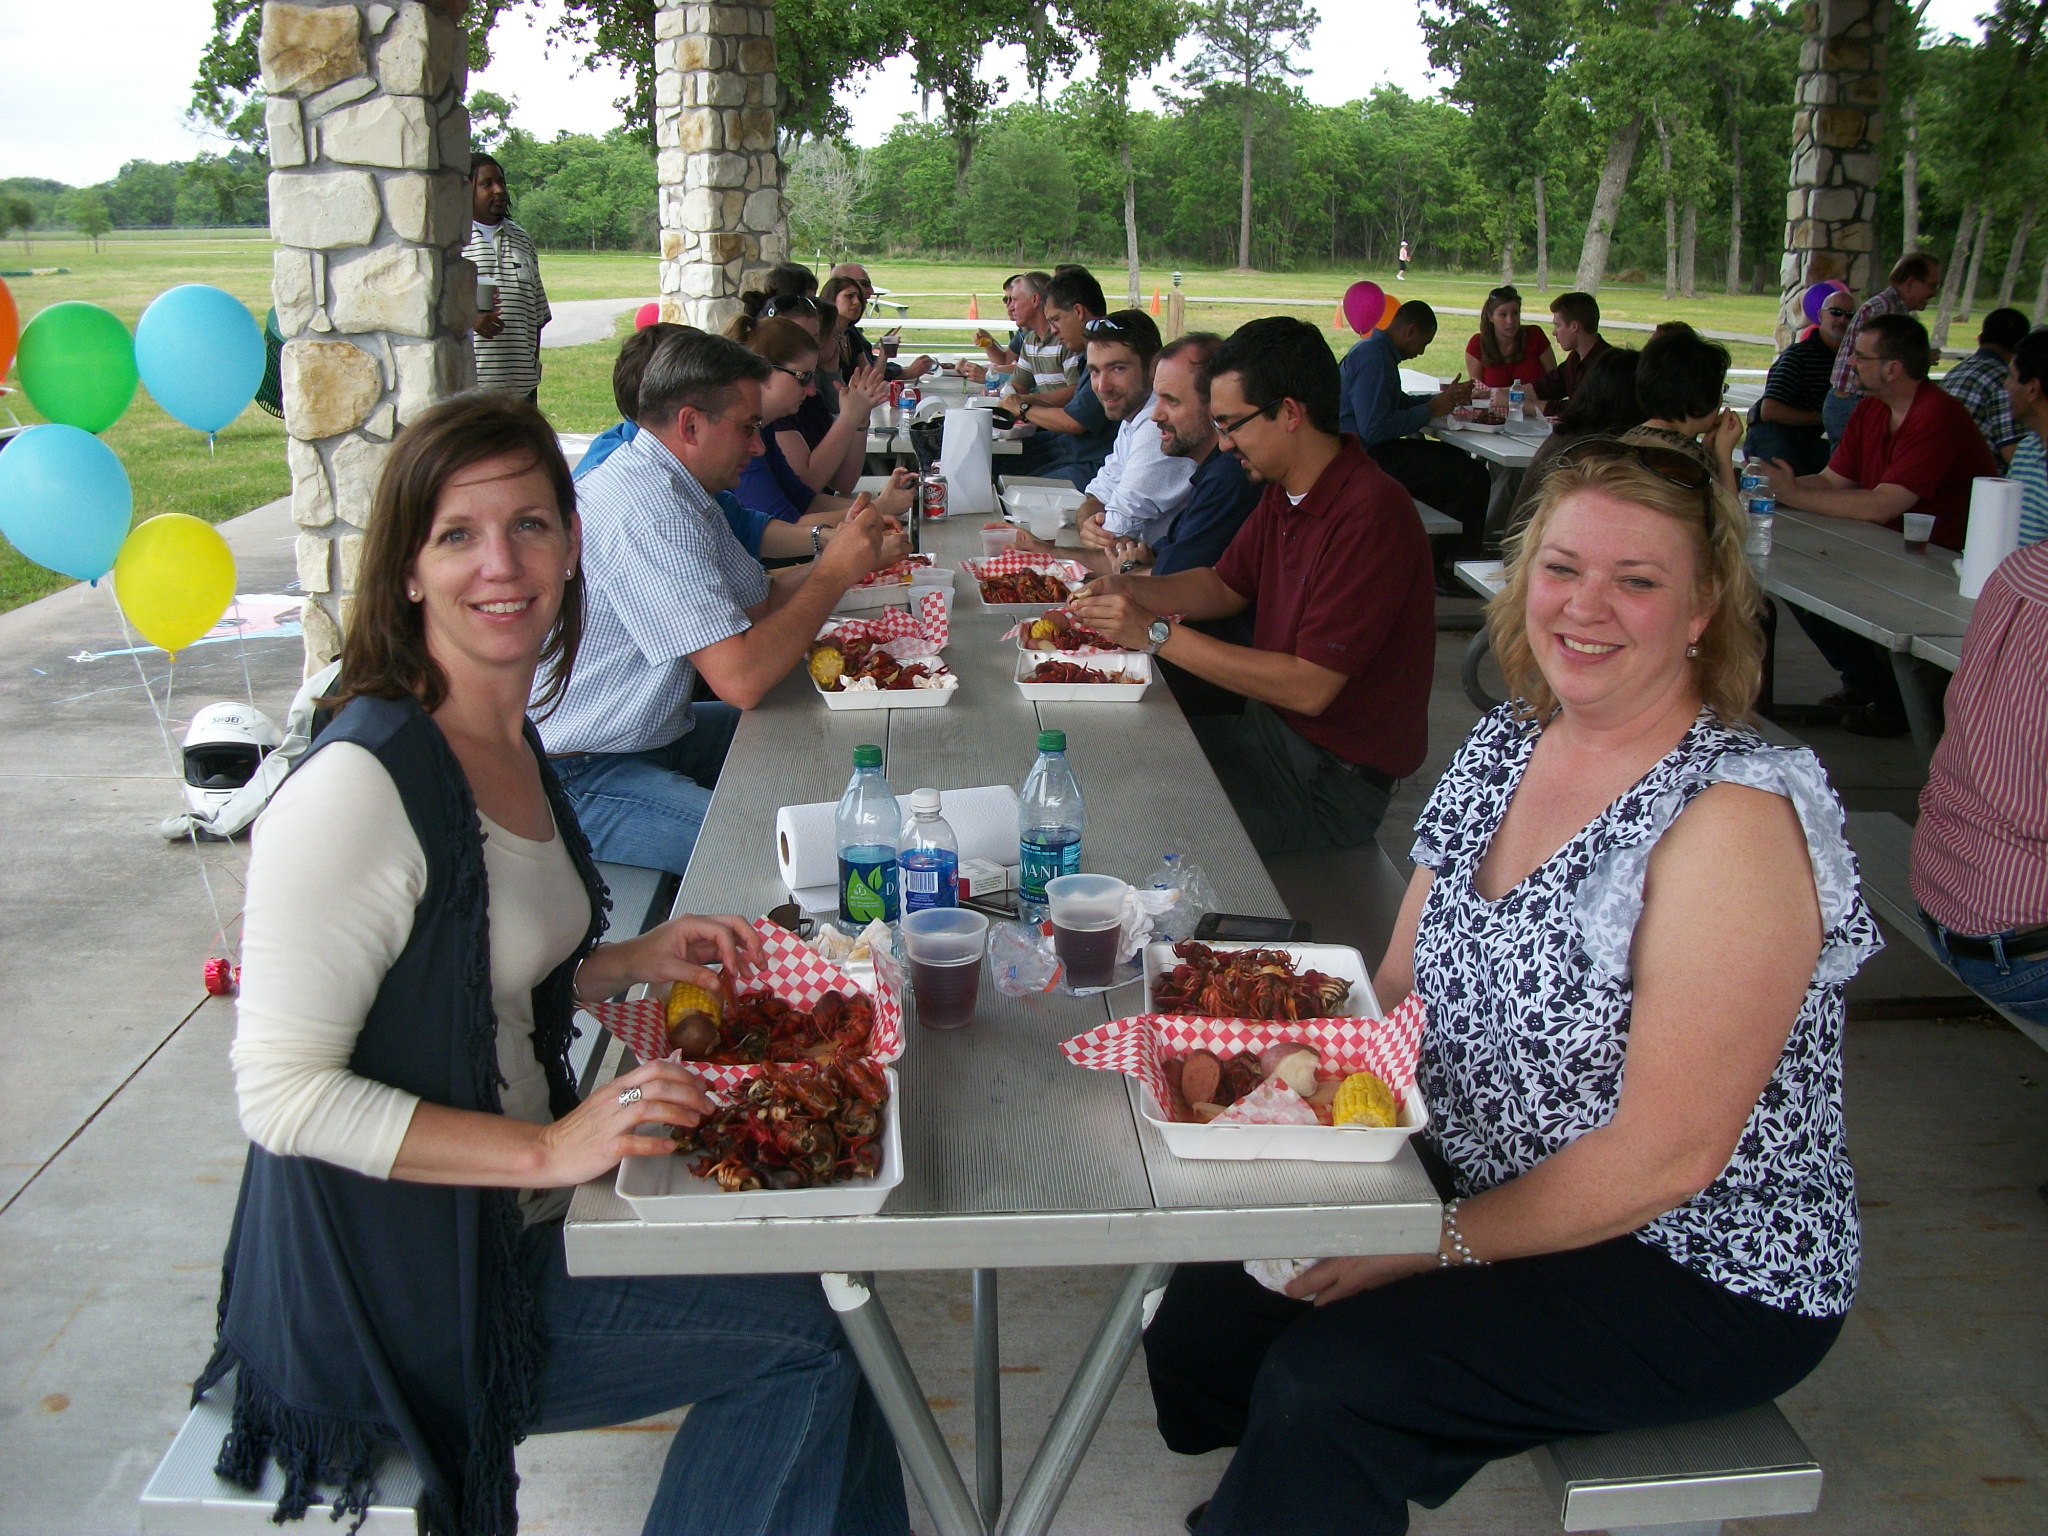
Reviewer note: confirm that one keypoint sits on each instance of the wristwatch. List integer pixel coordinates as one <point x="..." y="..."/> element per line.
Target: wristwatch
<point x="1157" y="635"/>
<point x="1024" y="410"/>
<point x="817" y="540"/>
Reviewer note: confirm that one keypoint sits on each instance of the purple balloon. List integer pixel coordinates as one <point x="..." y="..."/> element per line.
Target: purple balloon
<point x="1818" y="295"/>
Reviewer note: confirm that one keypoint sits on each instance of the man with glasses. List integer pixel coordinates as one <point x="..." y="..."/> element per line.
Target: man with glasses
<point x="1073" y="438"/>
<point x="669" y="593"/>
<point x="1915" y="279"/>
<point x="1338" y="674"/>
<point x="1909" y="447"/>
<point x="1786" y="423"/>
<point x="1979" y="380"/>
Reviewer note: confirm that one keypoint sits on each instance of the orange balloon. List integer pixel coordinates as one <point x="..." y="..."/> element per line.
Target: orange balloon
<point x="1387" y="315"/>
<point x="10" y="329"/>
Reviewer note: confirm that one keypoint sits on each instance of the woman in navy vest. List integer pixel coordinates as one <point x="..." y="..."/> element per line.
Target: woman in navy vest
<point x="422" y="917"/>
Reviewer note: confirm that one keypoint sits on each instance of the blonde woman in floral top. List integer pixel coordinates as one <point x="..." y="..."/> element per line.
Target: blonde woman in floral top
<point x="1632" y="921"/>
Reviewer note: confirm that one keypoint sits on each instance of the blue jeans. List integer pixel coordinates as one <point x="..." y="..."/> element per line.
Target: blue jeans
<point x="646" y="808"/>
<point x="2018" y="986"/>
<point x="1835" y="411"/>
<point x="783" y="1437"/>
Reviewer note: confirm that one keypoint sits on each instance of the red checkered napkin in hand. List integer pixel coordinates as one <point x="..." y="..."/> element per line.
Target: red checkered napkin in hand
<point x="1387" y="1047"/>
<point x="794" y="972"/>
<point x="907" y="635"/>
<point x="1011" y="561"/>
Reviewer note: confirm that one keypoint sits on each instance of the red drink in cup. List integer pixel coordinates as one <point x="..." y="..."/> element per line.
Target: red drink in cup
<point x="1087" y="920"/>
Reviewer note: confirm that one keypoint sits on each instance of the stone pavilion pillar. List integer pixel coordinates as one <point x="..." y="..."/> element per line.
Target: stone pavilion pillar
<point x="1831" y="208"/>
<point x="370" y="208"/>
<point x="714" y="135"/>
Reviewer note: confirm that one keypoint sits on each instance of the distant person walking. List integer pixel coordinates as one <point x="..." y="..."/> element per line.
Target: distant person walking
<point x="1402" y="275"/>
<point x="511" y="305"/>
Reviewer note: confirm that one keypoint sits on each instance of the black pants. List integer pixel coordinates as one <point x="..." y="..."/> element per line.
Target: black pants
<point x="1342" y="1414"/>
<point x="1291" y="794"/>
<point x="1863" y="664"/>
<point x="1455" y="483"/>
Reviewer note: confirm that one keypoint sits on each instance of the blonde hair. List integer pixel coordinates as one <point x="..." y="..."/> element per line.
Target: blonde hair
<point x="1728" y="668"/>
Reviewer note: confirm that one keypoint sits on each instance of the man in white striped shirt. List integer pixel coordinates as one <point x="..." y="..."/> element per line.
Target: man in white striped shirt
<point x="512" y="306"/>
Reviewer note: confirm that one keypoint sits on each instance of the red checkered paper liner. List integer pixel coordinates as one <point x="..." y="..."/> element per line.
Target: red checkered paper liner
<point x="1011" y="561"/>
<point x="897" y="573"/>
<point x="794" y="972"/>
<point x="928" y="625"/>
<point x="1387" y="1047"/>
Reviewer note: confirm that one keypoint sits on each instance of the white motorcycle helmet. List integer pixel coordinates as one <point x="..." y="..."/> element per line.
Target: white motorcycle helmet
<point x="223" y="747"/>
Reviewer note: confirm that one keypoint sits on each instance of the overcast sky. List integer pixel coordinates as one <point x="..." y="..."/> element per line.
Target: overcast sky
<point x="84" y="88"/>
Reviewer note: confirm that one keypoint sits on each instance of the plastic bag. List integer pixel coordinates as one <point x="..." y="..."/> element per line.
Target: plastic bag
<point x="1194" y="896"/>
<point x="1021" y="960"/>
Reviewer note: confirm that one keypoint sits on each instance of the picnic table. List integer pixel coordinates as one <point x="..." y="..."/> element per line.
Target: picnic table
<point x="1862" y="577"/>
<point x="1506" y="454"/>
<point x="886" y="439"/>
<point x="1013" y="1157"/>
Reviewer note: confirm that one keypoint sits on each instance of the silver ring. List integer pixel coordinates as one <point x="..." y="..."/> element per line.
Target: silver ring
<point x="629" y="1098"/>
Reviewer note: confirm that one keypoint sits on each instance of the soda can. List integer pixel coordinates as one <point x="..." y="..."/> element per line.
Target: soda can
<point x="895" y="393"/>
<point x="934" y="495"/>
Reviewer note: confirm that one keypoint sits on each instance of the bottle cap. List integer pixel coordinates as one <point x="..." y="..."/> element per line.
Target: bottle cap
<point x="867" y="756"/>
<point x="1052" y="741"/>
<point x="924" y="802"/>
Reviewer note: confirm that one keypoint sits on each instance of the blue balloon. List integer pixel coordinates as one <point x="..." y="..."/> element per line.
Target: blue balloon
<point x="64" y="500"/>
<point x="200" y="354"/>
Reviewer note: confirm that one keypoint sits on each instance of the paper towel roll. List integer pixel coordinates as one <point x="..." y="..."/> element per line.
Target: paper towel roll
<point x="1994" y="530"/>
<point x="984" y="819"/>
<point x="965" y="455"/>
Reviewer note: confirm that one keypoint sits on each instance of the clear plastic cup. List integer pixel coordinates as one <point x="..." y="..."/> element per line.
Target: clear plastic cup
<point x="1045" y="521"/>
<point x="1919" y="529"/>
<point x="1087" y="919"/>
<point x="943" y="946"/>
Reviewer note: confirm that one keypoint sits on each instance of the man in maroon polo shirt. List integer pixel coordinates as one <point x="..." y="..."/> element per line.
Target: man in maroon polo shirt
<point x="1910" y="447"/>
<point x="1338" y="673"/>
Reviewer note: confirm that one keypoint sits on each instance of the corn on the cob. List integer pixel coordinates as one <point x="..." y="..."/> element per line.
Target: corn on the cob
<point x="686" y="997"/>
<point x="1363" y="1099"/>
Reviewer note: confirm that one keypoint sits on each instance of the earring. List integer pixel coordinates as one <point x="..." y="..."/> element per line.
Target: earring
<point x="412" y="594"/>
<point x="1691" y="651"/>
<point x="570" y="574"/>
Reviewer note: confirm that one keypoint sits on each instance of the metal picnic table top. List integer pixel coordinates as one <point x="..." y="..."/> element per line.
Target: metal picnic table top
<point x="1863" y="577"/>
<point x="1013" y="1157"/>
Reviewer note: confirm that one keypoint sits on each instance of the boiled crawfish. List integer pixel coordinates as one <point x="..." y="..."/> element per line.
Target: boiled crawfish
<point x="1245" y="984"/>
<point x="759" y="1026"/>
<point x="1028" y="586"/>
<point x="796" y="1126"/>
<point x="1056" y="671"/>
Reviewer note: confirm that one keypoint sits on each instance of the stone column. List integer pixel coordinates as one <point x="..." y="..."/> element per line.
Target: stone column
<point x="1831" y="208"/>
<point x="714" y="133"/>
<point x="369" y="204"/>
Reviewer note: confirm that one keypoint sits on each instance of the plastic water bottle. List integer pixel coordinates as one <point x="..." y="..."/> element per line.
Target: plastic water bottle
<point x="865" y="830"/>
<point x="908" y="403"/>
<point x="1049" y="824"/>
<point x="1762" y="508"/>
<point x="928" y="868"/>
<point x="1517" y="395"/>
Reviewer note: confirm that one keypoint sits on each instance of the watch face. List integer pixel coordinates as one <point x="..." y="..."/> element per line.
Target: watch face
<point x="1159" y="631"/>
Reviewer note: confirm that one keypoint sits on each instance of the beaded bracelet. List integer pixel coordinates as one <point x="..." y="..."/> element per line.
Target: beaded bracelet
<point x="1463" y="1255"/>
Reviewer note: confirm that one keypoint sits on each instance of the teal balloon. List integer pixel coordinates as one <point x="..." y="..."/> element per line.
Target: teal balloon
<point x="77" y="365"/>
<point x="64" y="500"/>
<point x="200" y="354"/>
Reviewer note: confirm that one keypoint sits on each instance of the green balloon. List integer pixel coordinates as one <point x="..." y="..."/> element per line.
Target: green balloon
<point x="77" y="365"/>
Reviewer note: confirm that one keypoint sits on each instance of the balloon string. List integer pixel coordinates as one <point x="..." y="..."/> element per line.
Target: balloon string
<point x="242" y="648"/>
<point x="220" y="927"/>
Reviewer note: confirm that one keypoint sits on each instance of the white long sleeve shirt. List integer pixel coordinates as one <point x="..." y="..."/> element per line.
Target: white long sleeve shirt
<point x="335" y="875"/>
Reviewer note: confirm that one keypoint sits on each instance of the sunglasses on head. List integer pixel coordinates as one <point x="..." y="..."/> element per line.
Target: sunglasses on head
<point x="1668" y="464"/>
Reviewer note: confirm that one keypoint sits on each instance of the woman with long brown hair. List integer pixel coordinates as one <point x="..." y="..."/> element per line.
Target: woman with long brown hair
<point x="1505" y="351"/>
<point x="423" y="917"/>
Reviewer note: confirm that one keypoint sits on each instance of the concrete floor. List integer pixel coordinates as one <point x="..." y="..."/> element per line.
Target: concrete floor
<point x="119" y="1155"/>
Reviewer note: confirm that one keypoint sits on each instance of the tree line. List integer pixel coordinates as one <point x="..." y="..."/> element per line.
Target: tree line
<point x="225" y="191"/>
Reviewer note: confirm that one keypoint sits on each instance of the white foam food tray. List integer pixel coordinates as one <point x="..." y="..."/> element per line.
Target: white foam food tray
<point x="664" y="1189"/>
<point x="891" y="698"/>
<point x="971" y="569"/>
<point x="1130" y="663"/>
<point x="1300" y="1143"/>
<point x="895" y="594"/>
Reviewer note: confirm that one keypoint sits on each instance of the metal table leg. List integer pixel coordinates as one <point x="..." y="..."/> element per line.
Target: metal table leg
<point x="1095" y="1381"/>
<point x="1922" y="695"/>
<point x="988" y="1399"/>
<point x="902" y="1403"/>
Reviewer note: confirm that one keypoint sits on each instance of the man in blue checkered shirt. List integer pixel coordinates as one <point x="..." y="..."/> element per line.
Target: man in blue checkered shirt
<point x="1979" y="380"/>
<point x="669" y="593"/>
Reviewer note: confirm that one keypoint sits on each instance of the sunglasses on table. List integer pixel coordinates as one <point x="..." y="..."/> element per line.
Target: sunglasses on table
<point x="1667" y="464"/>
<point x="1230" y="428"/>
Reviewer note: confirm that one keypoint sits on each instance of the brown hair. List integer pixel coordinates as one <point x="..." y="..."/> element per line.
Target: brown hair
<point x="1915" y="267"/>
<point x="1729" y="667"/>
<point x="782" y="341"/>
<point x="384" y="655"/>
<point x="1489" y="345"/>
<point x="635" y="353"/>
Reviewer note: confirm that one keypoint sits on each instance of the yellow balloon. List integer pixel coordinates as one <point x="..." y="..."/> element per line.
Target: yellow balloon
<point x="174" y="578"/>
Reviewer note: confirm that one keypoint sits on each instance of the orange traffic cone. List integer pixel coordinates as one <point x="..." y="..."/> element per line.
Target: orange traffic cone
<point x="1155" y="301"/>
<point x="1338" y="322"/>
<point x="974" y="306"/>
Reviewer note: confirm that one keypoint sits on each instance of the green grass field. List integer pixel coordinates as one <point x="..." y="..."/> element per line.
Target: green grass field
<point x="172" y="471"/>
